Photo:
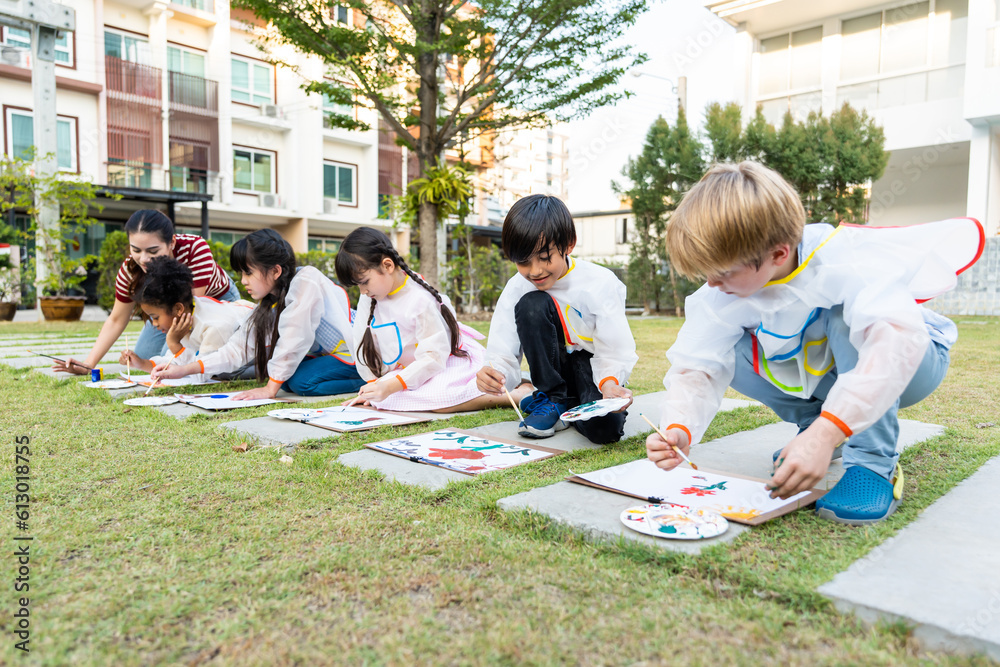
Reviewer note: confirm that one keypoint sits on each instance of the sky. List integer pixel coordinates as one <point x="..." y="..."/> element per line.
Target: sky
<point x="681" y="38"/>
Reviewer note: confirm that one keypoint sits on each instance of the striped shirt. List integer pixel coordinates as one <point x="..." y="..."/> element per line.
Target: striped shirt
<point x="193" y="252"/>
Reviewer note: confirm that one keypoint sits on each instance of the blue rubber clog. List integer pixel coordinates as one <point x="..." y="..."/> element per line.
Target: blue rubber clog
<point x="861" y="497"/>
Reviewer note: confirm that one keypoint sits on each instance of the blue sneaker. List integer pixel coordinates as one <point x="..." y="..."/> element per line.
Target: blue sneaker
<point x="861" y="497"/>
<point x="541" y="416"/>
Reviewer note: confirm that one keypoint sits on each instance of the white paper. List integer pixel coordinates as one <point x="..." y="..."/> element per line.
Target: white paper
<point x="342" y="418"/>
<point x="460" y="451"/>
<point x="732" y="497"/>
<point x="221" y="401"/>
<point x="167" y="382"/>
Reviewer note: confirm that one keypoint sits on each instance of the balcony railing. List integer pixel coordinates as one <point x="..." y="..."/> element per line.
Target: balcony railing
<point x="193" y="93"/>
<point x="130" y="78"/>
<point x="147" y="176"/>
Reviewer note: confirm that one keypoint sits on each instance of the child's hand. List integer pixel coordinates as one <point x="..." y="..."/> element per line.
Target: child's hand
<point x="70" y="366"/>
<point x="256" y="394"/>
<point x="490" y="381"/>
<point x="661" y="452"/>
<point x="130" y="358"/>
<point x="163" y="372"/>
<point x="611" y="390"/>
<point x="380" y="390"/>
<point x="179" y="328"/>
<point x="805" y="460"/>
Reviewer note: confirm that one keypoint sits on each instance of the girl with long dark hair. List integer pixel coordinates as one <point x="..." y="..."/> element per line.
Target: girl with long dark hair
<point x="297" y="335"/>
<point x="407" y="342"/>
<point x="151" y="234"/>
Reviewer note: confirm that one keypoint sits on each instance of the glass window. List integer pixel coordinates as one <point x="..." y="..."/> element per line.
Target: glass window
<point x="339" y="182"/>
<point x="252" y="82"/>
<point x="904" y="37"/>
<point x="126" y="47"/>
<point x="21" y="138"/>
<point x="806" y="58"/>
<point x="64" y="49"/>
<point x="17" y="37"/>
<point x="773" y="65"/>
<point x="948" y="31"/>
<point x="341" y="14"/>
<point x="253" y="170"/>
<point x="859" y="46"/>
<point x="185" y="62"/>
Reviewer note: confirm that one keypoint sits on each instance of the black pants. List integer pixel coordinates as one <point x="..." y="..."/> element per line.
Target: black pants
<point x="566" y="378"/>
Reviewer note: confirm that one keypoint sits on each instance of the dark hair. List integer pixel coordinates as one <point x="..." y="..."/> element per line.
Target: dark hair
<point x="146" y="221"/>
<point x="363" y="250"/>
<point x="263" y="250"/>
<point x="167" y="282"/>
<point x="534" y="222"/>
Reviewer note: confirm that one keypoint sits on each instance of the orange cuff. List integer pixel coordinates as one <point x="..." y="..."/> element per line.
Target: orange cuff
<point x="180" y="352"/>
<point x="836" y="420"/>
<point x="683" y="428"/>
<point x="202" y="364"/>
<point x="401" y="381"/>
<point x="610" y="377"/>
<point x="273" y="380"/>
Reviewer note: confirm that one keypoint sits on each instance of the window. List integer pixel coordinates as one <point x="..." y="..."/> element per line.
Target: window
<point x="21" y="38"/>
<point x="791" y="61"/>
<point x="253" y="170"/>
<point x="910" y="54"/>
<point x="131" y="48"/>
<point x="324" y="244"/>
<point x="339" y="182"/>
<point x="252" y="81"/>
<point x="333" y="107"/>
<point x="621" y="232"/>
<point x="203" y="5"/>
<point x="341" y="14"/>
<point x="21" y="138"/>
<point x="185" y="62"/>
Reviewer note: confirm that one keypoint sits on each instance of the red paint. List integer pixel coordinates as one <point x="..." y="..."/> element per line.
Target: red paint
<point x="456" y="454"/>
<point x="694" y="490"/>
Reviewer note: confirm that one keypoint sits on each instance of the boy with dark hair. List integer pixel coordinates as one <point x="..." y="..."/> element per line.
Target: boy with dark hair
<point x="567" y="317"/>
<point x="822" y="325"/>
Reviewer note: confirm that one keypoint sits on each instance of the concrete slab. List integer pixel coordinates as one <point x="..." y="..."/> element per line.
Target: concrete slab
<point x="282" y="431"/>
<point x="571" y="439"/>
<point x="939" y="574"/>
<point x="271" y="431"/>
<point x="596" y="512"/>
<point x="399" y="469"/>
<point x="183" y="410"/>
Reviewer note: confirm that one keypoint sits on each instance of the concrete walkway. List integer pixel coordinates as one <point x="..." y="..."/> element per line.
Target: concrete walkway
<point x="596" y="512"/>
<point x="940" y="574"/>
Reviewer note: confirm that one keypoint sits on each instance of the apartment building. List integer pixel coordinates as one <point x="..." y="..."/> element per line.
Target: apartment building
<point x="527" y="161"/>
<point x="171" y="104"/>
<point x="928" y="72"/>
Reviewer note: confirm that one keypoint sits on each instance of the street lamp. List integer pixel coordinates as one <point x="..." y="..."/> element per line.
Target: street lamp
<point x="679" y="88"/>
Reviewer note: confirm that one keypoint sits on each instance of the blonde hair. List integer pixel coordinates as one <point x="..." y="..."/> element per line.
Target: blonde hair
<point x="733" y="216"/>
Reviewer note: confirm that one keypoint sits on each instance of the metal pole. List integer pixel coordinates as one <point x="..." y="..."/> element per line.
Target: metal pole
<point x="43" y="85"/>
<point x="204" y="220"/>
<point x="682" y="93"/>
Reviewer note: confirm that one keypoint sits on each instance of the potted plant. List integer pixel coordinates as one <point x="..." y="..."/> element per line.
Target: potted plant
<point x="24" y="190"/>
<point x="10" y="284"/>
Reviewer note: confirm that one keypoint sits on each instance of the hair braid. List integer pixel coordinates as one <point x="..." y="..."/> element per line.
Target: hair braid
<point x="367" y="351"/>
<point x="449" y="317"/>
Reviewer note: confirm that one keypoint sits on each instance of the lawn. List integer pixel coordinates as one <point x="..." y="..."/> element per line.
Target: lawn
<point x="155" y="542"/>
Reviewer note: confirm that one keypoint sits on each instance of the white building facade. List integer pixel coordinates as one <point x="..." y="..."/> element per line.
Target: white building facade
<point x="928" y="72"/>
<point x="176" y="97"/>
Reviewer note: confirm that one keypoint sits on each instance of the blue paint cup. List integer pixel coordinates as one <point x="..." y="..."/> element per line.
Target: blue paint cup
<point x="96" y="374"/>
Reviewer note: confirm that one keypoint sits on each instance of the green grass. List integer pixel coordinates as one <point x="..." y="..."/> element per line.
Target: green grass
<point x="156" y="543"/>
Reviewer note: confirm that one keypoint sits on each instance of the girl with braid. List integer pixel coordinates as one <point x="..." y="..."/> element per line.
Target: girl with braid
<point x="408" y="344"/>
<point x="297" y="335"/>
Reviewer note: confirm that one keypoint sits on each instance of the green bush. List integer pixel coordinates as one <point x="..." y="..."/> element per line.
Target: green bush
<point x="324" y="261"/>
<point x="114" y="250"/>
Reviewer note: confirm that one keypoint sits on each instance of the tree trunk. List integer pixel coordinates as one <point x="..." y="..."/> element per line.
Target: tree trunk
<point x="676" y="290"/>
<point x="427" y="218"/>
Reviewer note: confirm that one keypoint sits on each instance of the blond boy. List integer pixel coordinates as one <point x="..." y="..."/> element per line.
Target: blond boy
<point x="822" y="325"/>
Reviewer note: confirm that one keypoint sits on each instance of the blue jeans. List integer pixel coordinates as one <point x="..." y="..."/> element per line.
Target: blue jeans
<point x="153" y="343"/>
<point x="323" y="376"/>
<point x="875" y="447"/>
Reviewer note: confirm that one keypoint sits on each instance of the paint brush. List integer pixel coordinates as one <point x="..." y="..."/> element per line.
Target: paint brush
<point x="157" y="381"/>
<point x="128" y="360"/>
<point x="65" y="361"/>
<point x="510" y="398"/>
<point x="664" y="436"/>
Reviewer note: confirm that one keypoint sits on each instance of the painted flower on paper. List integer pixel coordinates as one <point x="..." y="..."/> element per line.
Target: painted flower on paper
<point x="697" y="491"/>
<point x="455" y="454"/>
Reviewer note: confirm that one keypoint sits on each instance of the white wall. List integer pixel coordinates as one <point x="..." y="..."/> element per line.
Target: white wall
<point x="916" y="193"/>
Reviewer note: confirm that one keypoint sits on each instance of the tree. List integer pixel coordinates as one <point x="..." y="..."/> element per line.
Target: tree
<point x="831" y="161"/>
<point x="669" y="164"/>
<point x="442" y="71"/>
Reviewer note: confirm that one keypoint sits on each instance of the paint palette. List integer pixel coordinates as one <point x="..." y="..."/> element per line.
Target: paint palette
<point x="674" y="522"/>
<point x="151" y="401"/>
<point x="109" y="384"/>
<point x="586" y="411"/>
